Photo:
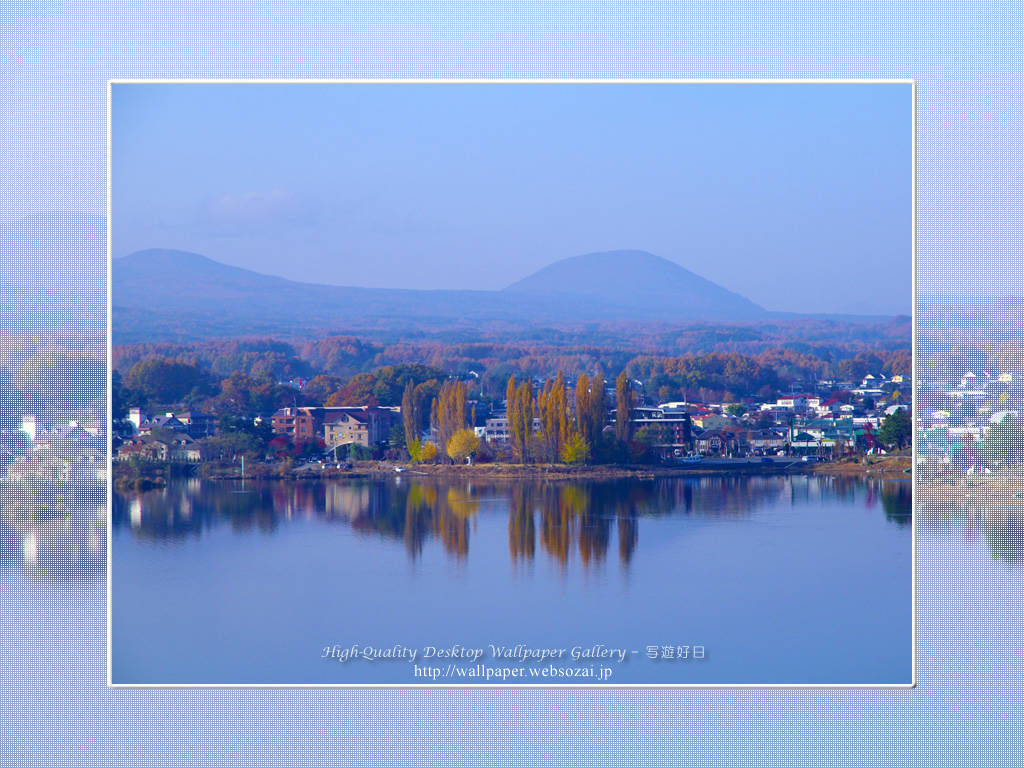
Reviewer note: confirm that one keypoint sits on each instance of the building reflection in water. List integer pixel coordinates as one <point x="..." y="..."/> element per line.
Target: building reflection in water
<point x="566" y="521"/>
<point x="54" y="532"/>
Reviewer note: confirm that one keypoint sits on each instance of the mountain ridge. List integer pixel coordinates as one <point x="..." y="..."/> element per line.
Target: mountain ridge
<point x="166" y="293"/>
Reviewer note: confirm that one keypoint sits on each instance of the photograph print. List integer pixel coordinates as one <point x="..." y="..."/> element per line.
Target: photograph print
<point x="511" y="384"/>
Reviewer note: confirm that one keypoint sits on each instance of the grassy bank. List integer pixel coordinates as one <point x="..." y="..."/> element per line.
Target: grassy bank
<point x="868" y="465"/>
<point x="156" y="474"/>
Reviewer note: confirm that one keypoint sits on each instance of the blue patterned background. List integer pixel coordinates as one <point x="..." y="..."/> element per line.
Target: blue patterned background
<point x="55" y="60"/>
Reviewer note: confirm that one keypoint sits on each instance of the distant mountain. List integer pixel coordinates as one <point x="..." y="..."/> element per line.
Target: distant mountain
<point x="161" y="270"/>
<point x="168" y="295"/>
<point x="639" y="281"/>
<point x="161" y="294"/>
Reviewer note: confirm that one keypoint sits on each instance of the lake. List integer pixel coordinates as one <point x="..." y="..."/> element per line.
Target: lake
<point x="752" y="579"/>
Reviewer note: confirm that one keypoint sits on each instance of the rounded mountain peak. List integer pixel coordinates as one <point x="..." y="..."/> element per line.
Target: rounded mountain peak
<point x="634" y="278"/>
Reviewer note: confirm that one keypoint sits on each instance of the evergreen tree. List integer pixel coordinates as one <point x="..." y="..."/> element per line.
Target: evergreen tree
<point x="896" y="429"/>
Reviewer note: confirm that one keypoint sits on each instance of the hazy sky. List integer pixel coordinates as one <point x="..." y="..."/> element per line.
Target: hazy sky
<point x="797" y="196"/>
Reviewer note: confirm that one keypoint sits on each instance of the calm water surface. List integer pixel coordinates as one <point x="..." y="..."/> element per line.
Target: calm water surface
<point x="778" y="579"/>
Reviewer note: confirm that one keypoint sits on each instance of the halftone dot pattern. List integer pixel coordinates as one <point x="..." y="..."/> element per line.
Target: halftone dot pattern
<point x="56" y="60"/>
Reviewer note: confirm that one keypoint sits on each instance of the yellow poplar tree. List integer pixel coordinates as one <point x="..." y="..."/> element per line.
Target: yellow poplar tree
<point x="427" y="452"/>
<point x="598" y="412"/>
<point x="554" y="417"/>
<point x="583" y="406"/>
<point x="411" y="413"/>
<point x="623" y="405"/>
<point x="450" y="410"/>
<point x="520" y="417"/>
<point x="462" y="444"/>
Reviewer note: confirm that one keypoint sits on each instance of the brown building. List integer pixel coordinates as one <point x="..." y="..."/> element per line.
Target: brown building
<point x="298" y="424"/>
<point x="363" y="425"/>
<point x="716" y="441"/>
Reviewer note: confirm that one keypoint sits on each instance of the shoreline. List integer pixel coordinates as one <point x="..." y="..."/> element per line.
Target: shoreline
<point x="892" y="467"/>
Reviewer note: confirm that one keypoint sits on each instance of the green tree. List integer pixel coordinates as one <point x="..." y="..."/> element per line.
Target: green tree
<point x="1004" y="441"/>
<point x="897" y="429"/>
<point x="243" y="395"/>
<point x="229" y="445"/>
<point x="396" y="437"/>
<point x="358" y="452"/>
<point x="649" y="437"/>
<point x="163" y="381"/>
<point x="240" y="434"/>
<point x="121" y="397"/>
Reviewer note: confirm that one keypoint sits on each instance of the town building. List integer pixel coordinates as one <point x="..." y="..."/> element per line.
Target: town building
<point x="165" y="447"/>
<point x="355" y="426"/>
<point x="343" y="425"/>
<point x="496" y="428"/>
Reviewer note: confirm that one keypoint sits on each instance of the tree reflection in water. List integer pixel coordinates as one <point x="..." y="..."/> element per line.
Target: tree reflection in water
<point x="54" y="532"/>
<point x="1004" y="533"/>
<point x="566" y="520"/>
<point x="996" y="519"/>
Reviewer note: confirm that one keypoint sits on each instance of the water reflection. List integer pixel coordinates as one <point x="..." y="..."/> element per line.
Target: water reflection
<point x="1004" y="533"/>
<point x="897" y="501"/>
<point x="54" y="532"/>
<point x="566" y="521"/>
<point x="994" y="516"/>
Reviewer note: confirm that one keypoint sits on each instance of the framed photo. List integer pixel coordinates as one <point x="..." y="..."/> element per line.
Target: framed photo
<point x="512" y="384"/>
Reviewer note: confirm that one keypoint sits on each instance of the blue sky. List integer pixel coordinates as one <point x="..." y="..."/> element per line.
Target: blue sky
<point x="797" y="196"/>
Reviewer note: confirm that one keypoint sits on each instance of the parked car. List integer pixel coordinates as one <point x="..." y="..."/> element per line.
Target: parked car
<point x="767" y="460"/>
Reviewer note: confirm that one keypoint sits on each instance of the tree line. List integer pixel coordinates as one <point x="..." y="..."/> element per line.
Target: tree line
<point x="260" y="385"/>
<point x="544" y="424"/>
<point x="736" y="360"/>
